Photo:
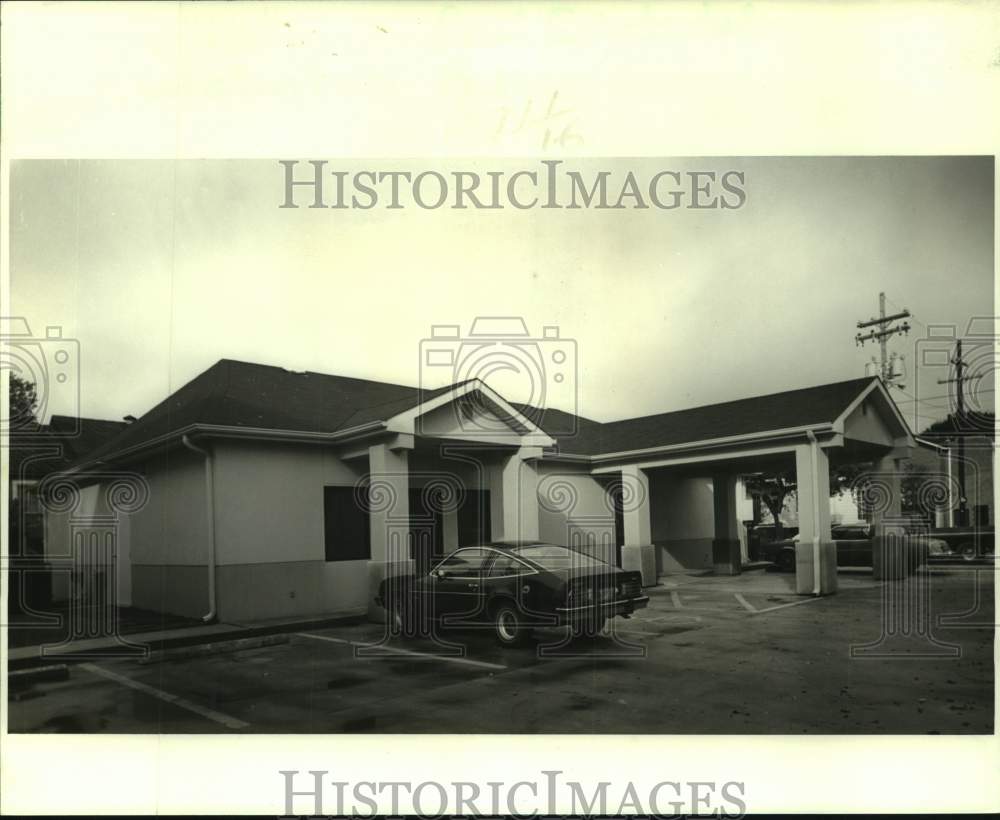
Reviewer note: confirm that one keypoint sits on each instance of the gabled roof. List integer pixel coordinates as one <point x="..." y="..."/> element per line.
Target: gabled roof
<point x="242" y="394"/>
<point x="810" y="406"/>
<point x="41" y="449"/>
<point x="237" y="394"/>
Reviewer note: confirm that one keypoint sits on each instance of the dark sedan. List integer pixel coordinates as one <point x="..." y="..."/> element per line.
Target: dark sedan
<point x="854" y="544"/>
<point x="512" y="588"/>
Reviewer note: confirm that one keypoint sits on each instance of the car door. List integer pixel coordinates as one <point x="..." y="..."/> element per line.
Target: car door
<point x="853" y="547"/>
<point x="456" y="584"/>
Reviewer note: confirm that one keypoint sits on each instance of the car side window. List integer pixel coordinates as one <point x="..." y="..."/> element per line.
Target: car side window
<point x="507" y="565"/>
<point x="467" y="561"/>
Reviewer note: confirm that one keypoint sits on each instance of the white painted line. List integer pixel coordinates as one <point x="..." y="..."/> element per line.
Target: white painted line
<point x="785" y="606"/>
<point x="675" y="599"/>
<point x="670" y="616"/>
<point x="393" y="650"/>
<point x="323" y="638"/>
<point x="632" y="632"/>
<point x="211" y="714"/>
<point x="746" y="604"/>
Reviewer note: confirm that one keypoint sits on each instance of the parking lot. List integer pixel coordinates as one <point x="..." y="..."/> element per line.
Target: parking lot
<point x="710" y="654"/>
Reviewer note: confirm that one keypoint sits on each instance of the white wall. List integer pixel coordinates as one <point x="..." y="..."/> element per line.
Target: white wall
<point x="172" y="528"/>
<point x="572" y="510"/>
<point x="269" y="500"/>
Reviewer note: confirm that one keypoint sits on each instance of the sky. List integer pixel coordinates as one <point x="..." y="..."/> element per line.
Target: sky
<point x="160" y="268"/>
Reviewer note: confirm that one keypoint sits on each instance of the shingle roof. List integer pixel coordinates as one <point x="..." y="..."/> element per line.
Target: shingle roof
<point x="38" y="450"/>
<point x="818" y="405"/>
<point x="241" y="394"/>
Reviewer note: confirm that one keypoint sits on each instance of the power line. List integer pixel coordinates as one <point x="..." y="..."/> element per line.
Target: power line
<point x="959" y="378"/>
<point x="914" y="318"/>
<point x="886" y="328"/>
<point x="942" y="396"/>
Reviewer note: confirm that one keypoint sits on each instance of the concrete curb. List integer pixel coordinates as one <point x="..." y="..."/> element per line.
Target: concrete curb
<point x="237" y="633"/>
<point x="176" y="653"/>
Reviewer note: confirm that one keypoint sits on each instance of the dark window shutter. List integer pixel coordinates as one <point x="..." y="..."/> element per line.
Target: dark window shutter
<point x="346" y="524"/>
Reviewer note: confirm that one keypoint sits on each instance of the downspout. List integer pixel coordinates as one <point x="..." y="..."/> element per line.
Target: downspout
<point x="814" y="444"/>
<point x="210" y="506"/>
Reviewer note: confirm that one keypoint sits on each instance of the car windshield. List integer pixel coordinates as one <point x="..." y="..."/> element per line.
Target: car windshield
<point x="551" y="556"/>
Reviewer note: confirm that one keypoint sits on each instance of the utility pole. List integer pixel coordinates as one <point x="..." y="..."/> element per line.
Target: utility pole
<point x="958" y="421"/>
<point x="886" y="363"/>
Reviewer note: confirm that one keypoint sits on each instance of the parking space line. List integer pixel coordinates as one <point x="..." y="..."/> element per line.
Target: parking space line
<point x="393" y="650"/>
<point x="785" y="606"/>
<point x="746" y="604"/>
<point x="211" y="714"/>
<point x="675" y="599"/>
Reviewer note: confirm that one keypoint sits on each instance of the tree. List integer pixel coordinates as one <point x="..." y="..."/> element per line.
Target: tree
<point x="23" y="400"/>
<point x="772" y="490"/>
<point x="971" y="423"/>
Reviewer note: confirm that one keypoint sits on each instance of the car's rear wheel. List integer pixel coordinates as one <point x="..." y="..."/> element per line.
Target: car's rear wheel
<point x="786" y="561"/>
<point x="508" y="626"/>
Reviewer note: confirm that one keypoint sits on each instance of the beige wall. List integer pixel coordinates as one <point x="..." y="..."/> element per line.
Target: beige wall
<point x="682" y="521"/>
<point x="172" y="528"/>
<point x="269" y="500"/>
<point x="270" y="537"/>
<point x="572" y="510"/>
<point x="866" y="424"/>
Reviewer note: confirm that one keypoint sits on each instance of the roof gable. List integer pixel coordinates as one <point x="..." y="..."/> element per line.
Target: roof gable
<point x="261" y="397"/>
<point x="810" y="406"/>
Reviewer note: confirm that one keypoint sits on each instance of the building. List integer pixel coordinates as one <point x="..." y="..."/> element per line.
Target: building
<point x="37" y="451"/>
<point x="257" y="492"/>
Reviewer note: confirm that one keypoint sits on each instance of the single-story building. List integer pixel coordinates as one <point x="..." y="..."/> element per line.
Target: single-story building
<point x="255" y="492"/>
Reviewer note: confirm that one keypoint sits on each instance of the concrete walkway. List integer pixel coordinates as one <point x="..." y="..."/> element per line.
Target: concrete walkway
<point x="110" y="646"/>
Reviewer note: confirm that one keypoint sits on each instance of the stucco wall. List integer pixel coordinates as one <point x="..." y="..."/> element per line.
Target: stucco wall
<point x="270" y="537"/>
<point x="682" y="521"/>
<point x="269" y="500"/>
<point x="171" y="530"/>
<point x="572" y="510"/>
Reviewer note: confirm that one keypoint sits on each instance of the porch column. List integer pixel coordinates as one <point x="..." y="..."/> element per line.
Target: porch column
<point x="812" y="480"/>
<point x="389" y="518"/>
<point x="726" y="558"/>
<point x="637" y="549"/>
<point x="514" y="496"/>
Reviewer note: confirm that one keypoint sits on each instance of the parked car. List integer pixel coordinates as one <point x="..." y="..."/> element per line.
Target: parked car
<point x="967" y="542"/>
<point x="854" y="544"/>
<point x="512" y="588"/>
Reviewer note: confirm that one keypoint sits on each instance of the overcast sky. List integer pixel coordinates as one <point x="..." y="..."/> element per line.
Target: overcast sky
<point x="159" y="269"/>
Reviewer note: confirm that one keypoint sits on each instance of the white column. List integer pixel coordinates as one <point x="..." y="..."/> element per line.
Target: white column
<point x="514" y="496"/>
<point x="812" y="480"/>
<point x="389" y="500"/>
<point x="637" y="549"/>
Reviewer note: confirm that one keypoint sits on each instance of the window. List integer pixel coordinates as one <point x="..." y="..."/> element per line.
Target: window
<point x="345" y="523"/>
<point x="465" y="562"/>
<point x="508" y="565"/>
<point x="551" y="556"/>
